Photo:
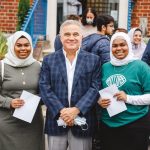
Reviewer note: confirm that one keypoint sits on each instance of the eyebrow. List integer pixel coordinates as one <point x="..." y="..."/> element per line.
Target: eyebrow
<point x="22" y="44"/>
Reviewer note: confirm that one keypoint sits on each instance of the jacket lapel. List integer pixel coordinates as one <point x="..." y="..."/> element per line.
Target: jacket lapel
<point x="79" y="68"/>
<point x="62" y="66"/>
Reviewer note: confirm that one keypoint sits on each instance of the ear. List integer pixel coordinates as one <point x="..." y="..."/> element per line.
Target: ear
<point x="103" y="28"/>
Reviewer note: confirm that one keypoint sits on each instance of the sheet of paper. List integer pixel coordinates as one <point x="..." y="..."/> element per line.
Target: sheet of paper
<point x="115" y="106"/>
<point x="27" y="111"/>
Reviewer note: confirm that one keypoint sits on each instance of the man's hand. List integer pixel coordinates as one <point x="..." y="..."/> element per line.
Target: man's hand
<point x="69" y="114"/>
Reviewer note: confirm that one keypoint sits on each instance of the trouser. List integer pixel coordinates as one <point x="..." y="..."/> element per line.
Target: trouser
<point x="69" y="142"/>
<point x="123" y="138"/>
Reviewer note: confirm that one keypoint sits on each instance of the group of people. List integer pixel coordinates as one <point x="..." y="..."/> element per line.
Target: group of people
<point x="68" y="82"/>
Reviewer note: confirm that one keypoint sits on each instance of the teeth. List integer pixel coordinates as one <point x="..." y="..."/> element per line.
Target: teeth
<point x="119" y="52"/>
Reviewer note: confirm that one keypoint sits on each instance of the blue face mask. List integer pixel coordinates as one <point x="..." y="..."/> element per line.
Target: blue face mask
<point x="89" y="21"/>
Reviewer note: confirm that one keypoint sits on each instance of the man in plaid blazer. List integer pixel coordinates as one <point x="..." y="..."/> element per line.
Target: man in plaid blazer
<point x="69" y="85"/>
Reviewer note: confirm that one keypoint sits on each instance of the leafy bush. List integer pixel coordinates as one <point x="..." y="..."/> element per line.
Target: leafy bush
<point x="3" y="46"/>
<point x="145" y="39"/>
<point x="23" y="8"/>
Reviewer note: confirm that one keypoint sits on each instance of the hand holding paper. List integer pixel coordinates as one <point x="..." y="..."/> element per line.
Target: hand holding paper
<point x="115" y="106"/>
<point x="27" y="111"/>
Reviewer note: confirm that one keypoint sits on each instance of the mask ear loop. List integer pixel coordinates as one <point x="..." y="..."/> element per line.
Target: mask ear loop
<point x="84" y="127"/>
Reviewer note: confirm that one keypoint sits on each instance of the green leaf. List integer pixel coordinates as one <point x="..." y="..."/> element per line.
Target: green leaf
<point x="23" y="8"/>
<point x="3" y="45"/>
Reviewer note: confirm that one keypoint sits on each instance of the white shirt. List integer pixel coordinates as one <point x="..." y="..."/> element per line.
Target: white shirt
<point x="88" y="30"/>
<point x="138" y="99"/>
<point x="70" y="73"/>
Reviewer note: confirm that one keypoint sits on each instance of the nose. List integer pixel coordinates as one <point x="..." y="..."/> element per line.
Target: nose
<point x="113" y="28"/>
<point x="71" y="37"/>
<point x="23" y="48"/>
<point x="139" y="37"/>
<point x="118" y="47"/>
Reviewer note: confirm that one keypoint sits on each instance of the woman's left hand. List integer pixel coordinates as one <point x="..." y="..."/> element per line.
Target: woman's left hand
<point x="17" y="103"/>
<point x="121" y="96"/>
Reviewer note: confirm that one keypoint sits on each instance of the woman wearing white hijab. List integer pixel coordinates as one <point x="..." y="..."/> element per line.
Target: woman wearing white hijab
<point x="127" y="130"/>
<point x="138" y="45"/>
<point x="21" y="72"/>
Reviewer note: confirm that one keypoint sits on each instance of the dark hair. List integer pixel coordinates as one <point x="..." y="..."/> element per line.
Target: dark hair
<point x="85" y="14"/>
<point x="138" y="30"/>
<point x="73" y="17"/>
<point x="108" y="19"/>
<point x="120" y="30"/>
<point x="22" y="37"/>
<point x="103" y="20"/>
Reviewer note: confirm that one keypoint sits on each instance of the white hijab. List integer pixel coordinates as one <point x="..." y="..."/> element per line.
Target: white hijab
<point x="11" y="58"/>
<point x="129" y="58"/>
<point x="131" y="34"/>
<point x="139" y="49"/>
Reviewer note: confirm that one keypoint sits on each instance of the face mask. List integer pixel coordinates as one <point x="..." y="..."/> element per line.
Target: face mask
<point x="89" y="21"/>
<point x="80" y="121"/>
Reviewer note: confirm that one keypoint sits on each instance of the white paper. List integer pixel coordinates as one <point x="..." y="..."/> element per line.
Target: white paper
<point x="115" y="106"/>
<point x="27" y="111"/>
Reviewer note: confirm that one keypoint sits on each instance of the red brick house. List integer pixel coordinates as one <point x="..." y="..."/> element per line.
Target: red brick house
<point x="8" y="15"/>
<point x="141" y="15"/>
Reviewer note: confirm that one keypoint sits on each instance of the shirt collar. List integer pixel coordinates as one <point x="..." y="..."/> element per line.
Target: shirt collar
<point x="65" y="54"/>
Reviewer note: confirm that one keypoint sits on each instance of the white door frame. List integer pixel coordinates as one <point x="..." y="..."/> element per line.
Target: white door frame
<point x="123" y="14"/>
<point x="51" y="21"/>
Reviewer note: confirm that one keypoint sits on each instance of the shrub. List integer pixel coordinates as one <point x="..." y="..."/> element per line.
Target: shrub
<point x="3" y="46"/>
<point x="23" y="8"/>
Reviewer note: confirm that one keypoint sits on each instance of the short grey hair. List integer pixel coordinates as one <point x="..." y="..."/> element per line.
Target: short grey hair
<point x="70" y="22"/>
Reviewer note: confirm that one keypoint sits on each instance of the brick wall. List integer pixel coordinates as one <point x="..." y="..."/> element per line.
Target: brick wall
<point x="141" y="9"/>
<point x="8" y="15"/>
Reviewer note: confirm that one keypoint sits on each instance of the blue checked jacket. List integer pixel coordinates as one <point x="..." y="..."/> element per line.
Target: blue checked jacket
<point x="54" y="91"/>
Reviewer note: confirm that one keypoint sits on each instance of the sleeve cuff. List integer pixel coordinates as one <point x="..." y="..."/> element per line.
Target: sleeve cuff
<point x="128" y="99"/>
<point x="7" y="103"/>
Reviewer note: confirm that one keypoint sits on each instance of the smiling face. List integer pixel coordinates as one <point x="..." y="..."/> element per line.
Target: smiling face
<point x="120" y="48"/>
<point x="71" y="37"/>
<point x="137" y="37"/>
<point x="22" y="48"/>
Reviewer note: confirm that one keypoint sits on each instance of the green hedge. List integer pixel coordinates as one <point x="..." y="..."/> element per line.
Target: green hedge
<point x="23" y="8"/>
<point x="3" y="46"/>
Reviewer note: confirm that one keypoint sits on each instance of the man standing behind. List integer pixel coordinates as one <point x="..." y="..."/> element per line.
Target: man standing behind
<point x="69" y="85"/>
<point x="99" y="43"/>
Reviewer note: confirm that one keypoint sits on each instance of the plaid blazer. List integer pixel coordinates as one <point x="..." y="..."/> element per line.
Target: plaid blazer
<point x="54" y="91"/>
